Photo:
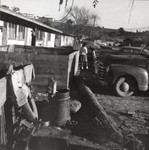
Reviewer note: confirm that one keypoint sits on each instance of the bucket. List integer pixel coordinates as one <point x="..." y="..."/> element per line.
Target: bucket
<point x="43" y="108"/>
<point x="60" y="108"/>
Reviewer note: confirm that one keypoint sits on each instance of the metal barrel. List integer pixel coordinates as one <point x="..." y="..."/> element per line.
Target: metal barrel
<point x="60" y="108"/>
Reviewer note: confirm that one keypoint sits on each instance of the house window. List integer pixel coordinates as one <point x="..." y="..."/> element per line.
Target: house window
<point x="40" y="35"/>
<point x="12" y="29"/>
<point x="49" y="36"/>
<point x="21" y="32"/>
<point x="64" y="37"/>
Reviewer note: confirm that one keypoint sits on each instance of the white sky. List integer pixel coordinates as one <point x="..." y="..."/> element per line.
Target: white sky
<point x="113" y="13"/>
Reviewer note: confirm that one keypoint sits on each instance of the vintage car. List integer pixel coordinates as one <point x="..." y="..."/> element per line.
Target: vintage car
<point x="121" y="50"/>
<point x="127" y="69"/>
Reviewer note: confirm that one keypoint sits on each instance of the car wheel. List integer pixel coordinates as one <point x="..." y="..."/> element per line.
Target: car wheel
<point x="124" y="87"/>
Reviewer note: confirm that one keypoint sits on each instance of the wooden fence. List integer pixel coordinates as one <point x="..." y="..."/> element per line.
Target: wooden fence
<point x="59" y="63"/>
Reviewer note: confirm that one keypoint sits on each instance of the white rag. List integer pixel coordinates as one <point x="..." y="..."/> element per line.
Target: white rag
<point x="3" y="85"/>
<point x="20" y="89"/>
<point x="29" y="73"/>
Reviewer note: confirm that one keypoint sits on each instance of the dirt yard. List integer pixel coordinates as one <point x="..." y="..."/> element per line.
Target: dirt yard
<point x="130" y="114"/>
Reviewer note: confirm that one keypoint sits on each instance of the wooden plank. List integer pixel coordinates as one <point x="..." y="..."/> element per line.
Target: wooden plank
<point x="89" y="100"/>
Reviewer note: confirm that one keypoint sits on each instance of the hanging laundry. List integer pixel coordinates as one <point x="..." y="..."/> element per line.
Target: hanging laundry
<point x="20" y="89"/>
<point x="29" y="73"/>
<point x="3" y="83"/>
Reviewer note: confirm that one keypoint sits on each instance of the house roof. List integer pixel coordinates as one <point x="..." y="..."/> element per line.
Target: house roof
<point x="17" y="18"/>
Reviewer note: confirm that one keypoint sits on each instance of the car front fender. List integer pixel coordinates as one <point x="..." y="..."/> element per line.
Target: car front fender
<point x="140" y="74"/>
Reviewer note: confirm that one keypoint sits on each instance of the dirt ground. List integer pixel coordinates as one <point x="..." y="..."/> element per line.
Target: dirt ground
<point x="130" y="114"/>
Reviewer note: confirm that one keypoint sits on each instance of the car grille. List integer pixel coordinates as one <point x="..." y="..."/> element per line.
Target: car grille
<point x="102" y="72"/>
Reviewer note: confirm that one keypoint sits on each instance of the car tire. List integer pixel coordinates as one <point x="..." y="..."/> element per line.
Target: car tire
<point x="124" y="87"/>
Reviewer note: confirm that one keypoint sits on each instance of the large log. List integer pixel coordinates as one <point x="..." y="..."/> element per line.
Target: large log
<point x="89" y="100"/>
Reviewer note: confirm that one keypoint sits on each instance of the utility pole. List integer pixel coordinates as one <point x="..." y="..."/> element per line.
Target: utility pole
<point x="94" y="21"/>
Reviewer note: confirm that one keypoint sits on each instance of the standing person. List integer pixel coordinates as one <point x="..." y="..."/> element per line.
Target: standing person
<point x="83" y="56"/>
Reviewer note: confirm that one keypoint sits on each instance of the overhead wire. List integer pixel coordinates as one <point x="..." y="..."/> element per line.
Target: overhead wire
<point x="129" y="5"/>
<point x="132" y="5"/>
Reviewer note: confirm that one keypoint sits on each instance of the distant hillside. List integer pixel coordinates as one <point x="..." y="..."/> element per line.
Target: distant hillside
<point x="100" y="33"/>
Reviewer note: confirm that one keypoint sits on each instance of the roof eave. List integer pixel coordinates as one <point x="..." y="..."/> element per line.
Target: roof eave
<point x="10" y="16"/>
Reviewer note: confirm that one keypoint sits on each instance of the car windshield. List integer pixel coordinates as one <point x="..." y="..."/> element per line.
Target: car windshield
<point x="130" y="50"/>
<point x="134" y="50"/>
<point x="145" y="52"/>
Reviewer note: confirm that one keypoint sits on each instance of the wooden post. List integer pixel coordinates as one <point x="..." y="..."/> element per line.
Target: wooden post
<point x="33" y="42"/>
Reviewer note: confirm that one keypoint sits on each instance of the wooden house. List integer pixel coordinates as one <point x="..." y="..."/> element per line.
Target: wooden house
<point x="15" y="28"/>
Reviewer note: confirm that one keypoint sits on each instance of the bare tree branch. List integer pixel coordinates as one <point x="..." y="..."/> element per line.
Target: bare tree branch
<point x="95" y="2"/>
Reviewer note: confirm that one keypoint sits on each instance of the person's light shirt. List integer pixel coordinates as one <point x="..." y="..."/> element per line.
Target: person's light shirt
<point x="83" y="51"/>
